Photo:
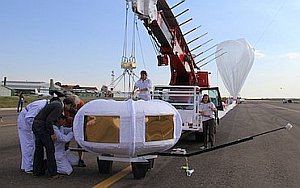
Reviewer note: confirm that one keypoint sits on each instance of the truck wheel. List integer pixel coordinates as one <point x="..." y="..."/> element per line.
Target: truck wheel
<point x="139" y="169"/>
<point x="104" y="167"/>
<point x="199" y="137"/>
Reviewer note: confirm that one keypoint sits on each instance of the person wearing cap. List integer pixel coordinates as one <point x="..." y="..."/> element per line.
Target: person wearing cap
<point x="42" y="128"/>
<point x="144" y="86"/>
<point x="64" y="159"/>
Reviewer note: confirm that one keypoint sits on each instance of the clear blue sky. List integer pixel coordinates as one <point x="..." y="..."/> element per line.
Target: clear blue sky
<point x="80" y="42"/>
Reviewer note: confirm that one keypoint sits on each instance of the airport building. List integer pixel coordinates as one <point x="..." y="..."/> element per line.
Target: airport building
<point x="27" y="87"/>
<point x="10" y="88"/>
<point x="81" y="90"/>
<point x="5" y="91"/>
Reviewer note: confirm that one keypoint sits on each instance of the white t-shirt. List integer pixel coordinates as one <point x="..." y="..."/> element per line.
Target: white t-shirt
<point x="207" y="109"/>
<point x="142" y="84"/>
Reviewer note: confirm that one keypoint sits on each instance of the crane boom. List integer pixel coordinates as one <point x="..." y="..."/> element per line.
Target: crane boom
<point x="161" y="24"/>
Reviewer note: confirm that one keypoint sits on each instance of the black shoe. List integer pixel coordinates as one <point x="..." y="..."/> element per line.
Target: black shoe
<point x="81" y="163"/>
<point x="54" y="177"/>
<point x="37" y="175"/>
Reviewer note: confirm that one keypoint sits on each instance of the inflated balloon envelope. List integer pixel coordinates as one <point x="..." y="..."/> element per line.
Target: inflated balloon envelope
<point x="127" y="128"/>
<point x="235" y="64"/>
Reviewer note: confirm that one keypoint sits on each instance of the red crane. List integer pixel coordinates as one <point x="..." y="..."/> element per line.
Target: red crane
<point x="162" y="25"/>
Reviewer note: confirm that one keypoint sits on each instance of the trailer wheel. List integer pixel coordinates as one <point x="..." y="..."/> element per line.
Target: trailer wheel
<point x="199" y="137"/>
<point x="104" y="167"/>
<point x="139" y="169"/>
<point x="150" y="164"/>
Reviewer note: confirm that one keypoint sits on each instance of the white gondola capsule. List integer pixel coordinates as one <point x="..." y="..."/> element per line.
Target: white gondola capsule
<point x="127" y="128"/>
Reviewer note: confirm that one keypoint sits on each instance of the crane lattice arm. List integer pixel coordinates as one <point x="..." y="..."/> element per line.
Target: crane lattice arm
<point x="162" y="25"/>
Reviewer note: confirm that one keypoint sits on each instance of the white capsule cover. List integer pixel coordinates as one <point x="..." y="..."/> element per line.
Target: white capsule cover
<point x="127" y="128"/>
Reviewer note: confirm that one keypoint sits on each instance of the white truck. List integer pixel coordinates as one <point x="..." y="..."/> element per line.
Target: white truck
<point x="186" y="99"/>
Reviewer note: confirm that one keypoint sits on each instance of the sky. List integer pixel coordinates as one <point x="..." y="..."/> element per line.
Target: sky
<point x="81" y="42"/>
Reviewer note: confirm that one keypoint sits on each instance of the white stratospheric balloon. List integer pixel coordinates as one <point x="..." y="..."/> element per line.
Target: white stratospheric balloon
<point x="234" y="65"/>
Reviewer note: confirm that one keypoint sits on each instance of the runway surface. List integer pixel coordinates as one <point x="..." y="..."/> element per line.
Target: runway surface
<point x="267" y="161"/>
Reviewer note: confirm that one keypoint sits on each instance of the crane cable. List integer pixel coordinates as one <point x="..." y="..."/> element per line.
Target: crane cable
<point x="269" y="24"/>
<point x="124" y="58"/>
<point x="138" y="34"/>
<point x="155" y="44"/>
<point x="154" y="41"/>
<point x="132" y="56"/>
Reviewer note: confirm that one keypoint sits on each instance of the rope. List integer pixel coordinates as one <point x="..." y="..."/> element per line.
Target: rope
<point x="154" y="44"/>
<point x="125" y="33"/>
<point x="270" y="23"/>
<point x="133" y="38"/>
<point x="137" y="29"/>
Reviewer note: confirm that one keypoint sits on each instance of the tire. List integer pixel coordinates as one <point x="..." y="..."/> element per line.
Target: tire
<point x="104" y="167"/>
<point x="150" y="164"/>
<point x="140" y="169"/>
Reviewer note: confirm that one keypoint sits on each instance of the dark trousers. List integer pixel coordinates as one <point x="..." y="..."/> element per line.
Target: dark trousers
<point x="20" y="106"/>
<point x="41" y="141"/>
<point x="209" y="128"/>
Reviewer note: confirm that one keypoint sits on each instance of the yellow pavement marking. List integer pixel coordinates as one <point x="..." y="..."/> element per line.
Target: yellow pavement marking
<point x="113" y="179"/>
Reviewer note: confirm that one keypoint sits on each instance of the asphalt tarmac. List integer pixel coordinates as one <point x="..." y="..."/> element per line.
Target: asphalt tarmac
<point x="270" y="160"/>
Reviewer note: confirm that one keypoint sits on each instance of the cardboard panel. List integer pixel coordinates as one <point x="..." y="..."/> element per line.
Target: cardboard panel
<point x="102" y="129"/>
<point x="159" y="128"/>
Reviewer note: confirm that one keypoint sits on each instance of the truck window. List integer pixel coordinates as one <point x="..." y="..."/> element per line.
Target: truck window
<point x="214" y="95"/>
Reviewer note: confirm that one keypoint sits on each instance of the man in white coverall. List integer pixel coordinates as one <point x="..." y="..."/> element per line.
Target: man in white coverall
<point x="144" y="86"/>
<point x="64" y="159"/>
<point x="24" y="123"/>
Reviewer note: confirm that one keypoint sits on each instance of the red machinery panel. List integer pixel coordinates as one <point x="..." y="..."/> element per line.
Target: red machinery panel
<point x="202" y="77"/>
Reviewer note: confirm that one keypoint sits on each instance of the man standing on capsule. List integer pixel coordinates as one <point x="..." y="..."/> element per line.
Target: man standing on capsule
<point x="143" y="85"/>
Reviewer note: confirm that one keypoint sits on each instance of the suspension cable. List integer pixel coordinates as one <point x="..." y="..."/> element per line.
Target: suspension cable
<point x="154" y="42"/>
<point x="269" y="24"/>
<point x="133" y="38"/>
<point x="138" y="34"/>
<point x="125" y="32"/>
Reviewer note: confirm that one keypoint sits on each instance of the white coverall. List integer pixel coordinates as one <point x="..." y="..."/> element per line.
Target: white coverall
<point x="24" y="123"/>
<point x="64" y="159"/>
<point x="143" y="84"/>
